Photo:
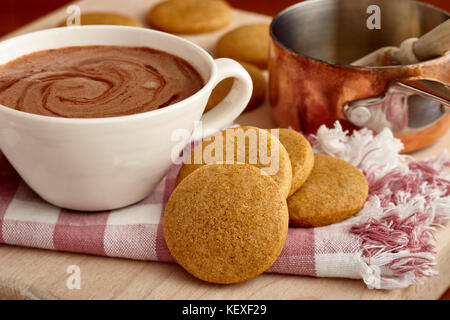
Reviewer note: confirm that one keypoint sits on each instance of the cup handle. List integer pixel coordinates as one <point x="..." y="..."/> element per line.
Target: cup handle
<point x="233" y="104"/>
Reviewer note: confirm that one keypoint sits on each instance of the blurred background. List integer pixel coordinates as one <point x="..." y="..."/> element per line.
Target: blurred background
<point x="16" y="13"/>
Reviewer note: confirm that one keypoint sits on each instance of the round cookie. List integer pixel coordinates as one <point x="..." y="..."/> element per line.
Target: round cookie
<point x="190" y="16"/>
<point x="301" y="155"/>
<point x="334" y="191"/>
<point x="249" y="43"/>
<point x="224" y="87"/>
<point x="105" y="18"/>
<point x="279" y="168"/>
<point x="226" y="223"/>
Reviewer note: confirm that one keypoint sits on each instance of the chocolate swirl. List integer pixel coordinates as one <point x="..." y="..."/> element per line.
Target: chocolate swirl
<point x="96" y="81"/>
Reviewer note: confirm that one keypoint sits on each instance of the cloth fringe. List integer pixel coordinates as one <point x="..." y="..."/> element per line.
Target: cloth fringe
<point x="407" y="200"/>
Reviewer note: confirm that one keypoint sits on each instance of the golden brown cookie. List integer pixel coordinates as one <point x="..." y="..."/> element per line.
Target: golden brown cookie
<point x="334" y="191"/>
<point x="249" y="43"/>
<point x="276" y="164"/>
<point x="190" y="16"/>
<point x="301" y="155"/>
<point x="108" y="18"/>
<point x="226" y="223"/>
<point x="224" y="87"/>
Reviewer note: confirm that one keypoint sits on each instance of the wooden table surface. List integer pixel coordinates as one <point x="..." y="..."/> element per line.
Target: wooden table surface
<point x="39" y="274"/>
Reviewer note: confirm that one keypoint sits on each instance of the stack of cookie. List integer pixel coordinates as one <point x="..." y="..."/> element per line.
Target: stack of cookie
<point x="237" y="192"/>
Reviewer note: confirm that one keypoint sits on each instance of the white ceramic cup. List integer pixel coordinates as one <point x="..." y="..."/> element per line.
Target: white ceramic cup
<point x="107" y="163"/>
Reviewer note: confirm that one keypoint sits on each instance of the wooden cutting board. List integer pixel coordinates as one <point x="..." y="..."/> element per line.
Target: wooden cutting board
<point x="39" y="274"/>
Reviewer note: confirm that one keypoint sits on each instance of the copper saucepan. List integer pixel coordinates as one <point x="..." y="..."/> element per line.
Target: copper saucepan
<point x="311" y="81"/>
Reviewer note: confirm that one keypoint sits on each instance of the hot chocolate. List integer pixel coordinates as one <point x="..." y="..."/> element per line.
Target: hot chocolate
<point x="96" y="81"/>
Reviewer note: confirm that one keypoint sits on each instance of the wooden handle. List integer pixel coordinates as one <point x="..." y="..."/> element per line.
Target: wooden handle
<point x="382" y="57"/>
<point x="434" y="43"/>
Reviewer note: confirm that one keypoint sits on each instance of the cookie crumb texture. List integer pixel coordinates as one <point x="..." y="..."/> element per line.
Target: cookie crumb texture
<point x="278" y="161"/>
<point x="334" y="191"/>
<point x="190" y="16"/>
<point x="300" y="154"/>
<point x="226" y="223"/>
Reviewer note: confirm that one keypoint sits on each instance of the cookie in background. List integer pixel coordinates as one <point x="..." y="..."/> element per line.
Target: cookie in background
<point x="105" y="18"/>
<point x="190" y="16"/>
<point x="224" y="87"/>
<point x="249" y="43"/>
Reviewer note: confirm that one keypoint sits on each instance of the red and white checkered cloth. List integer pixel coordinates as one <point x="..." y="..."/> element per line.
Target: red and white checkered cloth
<point x="340" y="250"/>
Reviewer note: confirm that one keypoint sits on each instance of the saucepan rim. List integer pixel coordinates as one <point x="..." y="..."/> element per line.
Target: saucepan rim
<point x="281" y="14"/>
